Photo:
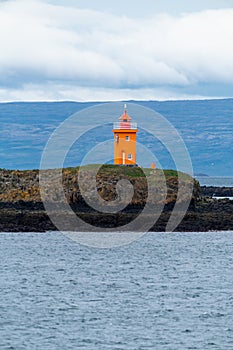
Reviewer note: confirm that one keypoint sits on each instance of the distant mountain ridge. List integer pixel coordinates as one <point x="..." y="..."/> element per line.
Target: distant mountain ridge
<point x="206" y="127"/>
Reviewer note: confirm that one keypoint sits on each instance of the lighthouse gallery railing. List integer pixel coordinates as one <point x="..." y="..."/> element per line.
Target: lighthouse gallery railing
<point x="125" y="125"/>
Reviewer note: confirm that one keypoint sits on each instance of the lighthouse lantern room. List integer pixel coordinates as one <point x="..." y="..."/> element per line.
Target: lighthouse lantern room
<point x="125" y="140"/>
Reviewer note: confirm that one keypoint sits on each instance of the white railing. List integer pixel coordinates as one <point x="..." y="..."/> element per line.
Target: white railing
<point x="125" y="125"/>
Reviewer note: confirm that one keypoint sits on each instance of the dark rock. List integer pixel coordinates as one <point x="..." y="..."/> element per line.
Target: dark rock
<point x="21" y="208"/>
<point x="217" y="191"/>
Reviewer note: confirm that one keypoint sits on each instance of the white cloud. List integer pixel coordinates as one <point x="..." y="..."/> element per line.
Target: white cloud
<point x="66" y="92"/>
<point x="60" y="47"/>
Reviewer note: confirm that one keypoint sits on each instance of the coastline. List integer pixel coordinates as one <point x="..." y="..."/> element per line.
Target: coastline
<point x="208" y="215"/>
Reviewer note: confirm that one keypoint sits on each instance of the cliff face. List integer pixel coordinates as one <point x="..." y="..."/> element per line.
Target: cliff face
<point x="21" y="187"/>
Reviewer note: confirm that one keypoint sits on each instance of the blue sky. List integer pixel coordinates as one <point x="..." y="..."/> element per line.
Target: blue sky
<point x="115" y="50"/>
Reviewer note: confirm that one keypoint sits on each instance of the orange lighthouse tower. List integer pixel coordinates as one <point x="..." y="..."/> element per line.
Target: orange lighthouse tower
<point x="125" y="140"/>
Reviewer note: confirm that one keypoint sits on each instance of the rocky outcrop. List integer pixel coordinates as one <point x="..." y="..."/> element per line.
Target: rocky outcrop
<point x="21" y="207"/>
<point x="217" y="191"/>
<point x="21" y="188"/>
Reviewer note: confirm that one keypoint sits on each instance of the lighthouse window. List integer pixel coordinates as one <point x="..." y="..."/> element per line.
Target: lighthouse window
<point x="130" y="157"/>
<point x="127" y="138"/>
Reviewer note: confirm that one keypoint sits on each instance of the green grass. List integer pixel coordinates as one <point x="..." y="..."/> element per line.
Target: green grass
<point x="110" y="169"/>
<point x="129" y="171"/>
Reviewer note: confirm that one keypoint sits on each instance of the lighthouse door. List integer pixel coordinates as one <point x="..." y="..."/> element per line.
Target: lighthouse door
<point x="123" y="158"/>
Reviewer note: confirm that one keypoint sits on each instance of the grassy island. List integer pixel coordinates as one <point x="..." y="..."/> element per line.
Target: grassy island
<point x="22" y="209"/>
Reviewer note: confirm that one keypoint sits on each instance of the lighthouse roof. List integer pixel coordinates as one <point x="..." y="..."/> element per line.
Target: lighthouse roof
<point x="125" y="116"/>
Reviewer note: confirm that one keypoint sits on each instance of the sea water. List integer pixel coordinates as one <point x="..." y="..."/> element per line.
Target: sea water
<point x="164" y="291"/>
<point x="218" y="181"/>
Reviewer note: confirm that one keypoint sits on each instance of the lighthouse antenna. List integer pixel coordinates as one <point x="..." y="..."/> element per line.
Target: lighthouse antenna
<point x="125" y="107"/>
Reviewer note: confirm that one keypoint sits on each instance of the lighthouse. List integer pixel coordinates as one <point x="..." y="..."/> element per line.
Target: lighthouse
<point x="125" y="133"/>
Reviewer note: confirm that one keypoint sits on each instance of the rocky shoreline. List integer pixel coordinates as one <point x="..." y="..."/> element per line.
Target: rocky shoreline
<point x="22" y="210"/>
<point x="215" y="191"/>
<point x="209" y="215"/>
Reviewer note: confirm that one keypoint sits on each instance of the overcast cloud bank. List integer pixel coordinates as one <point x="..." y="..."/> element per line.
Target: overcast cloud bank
<point x="51" y="52"/>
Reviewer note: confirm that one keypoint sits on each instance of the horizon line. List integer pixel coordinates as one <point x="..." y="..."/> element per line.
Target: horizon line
<point x="208" y="98"/>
